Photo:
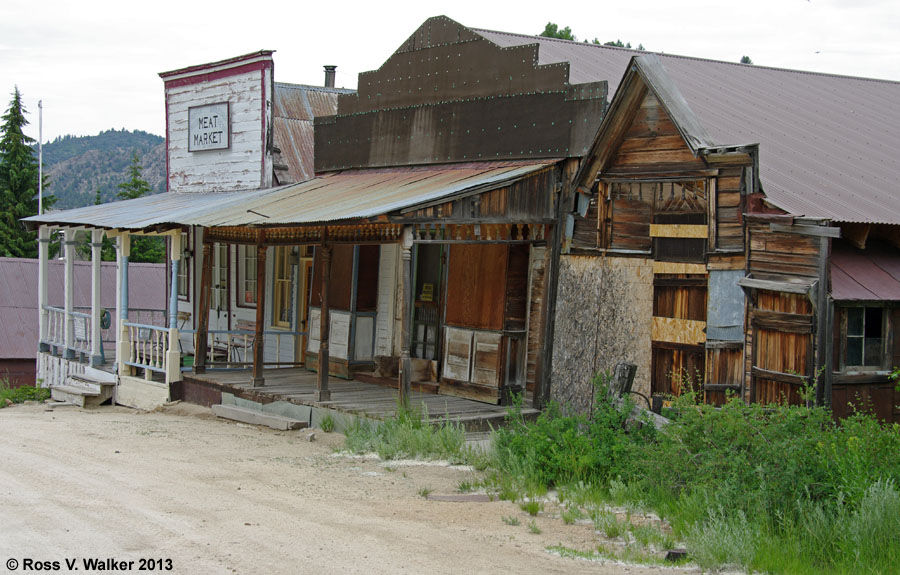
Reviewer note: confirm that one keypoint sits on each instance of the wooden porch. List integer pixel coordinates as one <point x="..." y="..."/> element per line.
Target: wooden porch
<point x="372" y="400"/>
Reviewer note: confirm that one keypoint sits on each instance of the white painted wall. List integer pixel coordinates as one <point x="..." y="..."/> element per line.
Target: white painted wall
<point x="247" y="164"/>
<point x="387" y="300"/>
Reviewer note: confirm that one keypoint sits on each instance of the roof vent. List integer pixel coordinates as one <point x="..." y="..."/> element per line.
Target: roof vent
<point x="329" y="76"/>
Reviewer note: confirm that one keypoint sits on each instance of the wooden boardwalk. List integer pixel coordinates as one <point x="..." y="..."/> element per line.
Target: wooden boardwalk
<point x="297" y="385"/>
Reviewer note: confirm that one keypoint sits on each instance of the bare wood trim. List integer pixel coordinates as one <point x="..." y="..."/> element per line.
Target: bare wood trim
<point x="784" y="287"/>
<point x="781" y="321"/>
<point x="724" y="345"/>
<point x="780" y="377"/>
<point x="821" y="231"/>
<point x="679" y="231"/>
<point x="678" y="268"/>
<point x="721" y="387"/>
<point x="861" y="378"/>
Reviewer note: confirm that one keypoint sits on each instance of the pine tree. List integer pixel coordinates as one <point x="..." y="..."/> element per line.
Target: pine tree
<point x="144" y="249"/>
<point x="18" y="182"/>
<point x="136" y="186"/>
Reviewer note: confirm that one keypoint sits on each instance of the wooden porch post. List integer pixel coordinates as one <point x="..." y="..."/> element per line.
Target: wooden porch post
<point x="96" y="337"/>
<point x="69" y="283"/>
<point x="322" y="391"/>
<point x="123" y="352"/>
<point x="173" y="353"/>
<point x="203" y="311"/>
<point x="405" y="312"/>
<point x="43" y="300"/>
<point x="259" y="342"/>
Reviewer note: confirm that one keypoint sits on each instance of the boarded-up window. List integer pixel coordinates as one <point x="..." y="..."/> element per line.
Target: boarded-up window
<point x="632" y="206"/>
<point x="635" y="205"/>
<point x="476" y="285"/>
<point x="367" y="278"/>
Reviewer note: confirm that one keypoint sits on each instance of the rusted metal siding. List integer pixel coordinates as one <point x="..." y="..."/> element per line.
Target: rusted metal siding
<point x="331" y="197"/>
<point x="448" y="95"/>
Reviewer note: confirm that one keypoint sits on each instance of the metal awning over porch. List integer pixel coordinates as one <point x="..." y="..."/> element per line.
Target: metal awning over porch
<point x="334" y="197"/>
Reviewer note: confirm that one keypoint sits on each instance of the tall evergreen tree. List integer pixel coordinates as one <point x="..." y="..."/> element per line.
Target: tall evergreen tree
<point x="144" y="249"/>
<point x="18" y="182"/>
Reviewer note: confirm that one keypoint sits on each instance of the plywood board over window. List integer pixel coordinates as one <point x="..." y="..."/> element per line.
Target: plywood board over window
<point x="476" y="286"/>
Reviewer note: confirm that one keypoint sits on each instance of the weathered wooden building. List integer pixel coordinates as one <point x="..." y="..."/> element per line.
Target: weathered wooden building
<point x="481" y="219"/>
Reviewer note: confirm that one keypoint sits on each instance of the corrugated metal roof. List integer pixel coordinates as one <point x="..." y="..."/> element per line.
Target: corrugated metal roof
<point x="335" y="196"/>
<point x="19" y="288"/>
<point x="872" y="274"/>
<point x="828" y="144"/>
<point x="295" y="106"/>
<point x="295" y="139"/>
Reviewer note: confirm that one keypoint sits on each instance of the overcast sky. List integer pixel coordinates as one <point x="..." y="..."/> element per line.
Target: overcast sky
<point x="94" y="63"/>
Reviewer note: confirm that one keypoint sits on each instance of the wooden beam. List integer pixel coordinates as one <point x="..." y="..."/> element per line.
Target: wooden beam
<point x="678" y="268"/>
<point x="784" y="287"/>
<point x="789" y="378"/>
<point x="856" y="234"/>
<point x="259" y="342"/>
<point x="679" y="231"/>
<point x="822" y="231"/>
<point x="203" y="311"/>
<point x="322" y="392"/>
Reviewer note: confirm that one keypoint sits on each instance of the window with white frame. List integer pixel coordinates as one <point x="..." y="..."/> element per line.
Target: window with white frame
<point x="281" y="300"/>
<point x="246" y="276"/>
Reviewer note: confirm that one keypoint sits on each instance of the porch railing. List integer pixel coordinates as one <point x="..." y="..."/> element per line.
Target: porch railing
<point x="148" y="346"/>
<point x="56" y="329"/>
<point x="233" y="348"/>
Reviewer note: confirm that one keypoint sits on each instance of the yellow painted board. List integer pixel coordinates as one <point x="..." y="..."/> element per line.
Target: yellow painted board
<point x="672" y="330"/>
<point x="678" y="231"/>
<point x="678" y="268"/>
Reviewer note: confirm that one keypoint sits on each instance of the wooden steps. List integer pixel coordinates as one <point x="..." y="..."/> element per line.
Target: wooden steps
<point x="83" y="391"/>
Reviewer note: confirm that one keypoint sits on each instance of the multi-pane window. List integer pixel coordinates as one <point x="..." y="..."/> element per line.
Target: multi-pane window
<point x="219" y="291"/>
<point x="246" y="276"/>
<point x="864" y="342"/>
<point x="184" y="269"/>
<point x="281" y="301"/>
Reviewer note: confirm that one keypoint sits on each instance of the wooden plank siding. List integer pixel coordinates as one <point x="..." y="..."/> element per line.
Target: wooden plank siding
<point x="652" y="143"/>
<point x="782" y="325"/>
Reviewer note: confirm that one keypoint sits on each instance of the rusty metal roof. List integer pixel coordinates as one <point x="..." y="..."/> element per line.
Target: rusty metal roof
<point x="872" y="274"/>
<point x="828" y="143"/>
<point x="336" y="196"/>
<point x="19" y="288"/>
<point x="295" y="106"/>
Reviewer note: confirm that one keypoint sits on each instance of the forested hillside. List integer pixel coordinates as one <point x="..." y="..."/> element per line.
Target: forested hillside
<point x="80" y="165"/>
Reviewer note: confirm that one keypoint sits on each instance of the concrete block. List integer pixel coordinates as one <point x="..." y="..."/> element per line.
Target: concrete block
<point x="254" y="417"/>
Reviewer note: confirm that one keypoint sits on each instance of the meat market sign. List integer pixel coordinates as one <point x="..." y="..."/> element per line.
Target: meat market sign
<point x="208" y="127"/>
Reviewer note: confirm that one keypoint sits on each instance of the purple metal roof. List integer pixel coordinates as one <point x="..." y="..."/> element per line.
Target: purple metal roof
<point x="19" y="289"/>
<point x="828" y="144"/>
<point x="872" y="274"/>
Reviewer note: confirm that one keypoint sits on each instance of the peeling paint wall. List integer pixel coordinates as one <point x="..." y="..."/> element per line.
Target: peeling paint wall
<point x="603" y="316"/>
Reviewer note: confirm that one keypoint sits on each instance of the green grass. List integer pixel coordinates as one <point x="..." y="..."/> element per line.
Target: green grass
<point x="424" y="492"/>
<point x="531" y="507"/>
<point x="409" y="435"/>
<point x="327" y="423"/>
<point x="465" y="486"/>
<point x="511" y="520"/>
<point x="760" y="488"/>
<point x="533" y="528"/>
<point x="21" y="394"/>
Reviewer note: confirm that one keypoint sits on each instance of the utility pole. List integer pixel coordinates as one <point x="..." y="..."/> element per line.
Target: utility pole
<point x="40" y="157"/>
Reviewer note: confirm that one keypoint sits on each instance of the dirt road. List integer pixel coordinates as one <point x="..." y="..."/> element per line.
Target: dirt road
<point x="219" y="497"/>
